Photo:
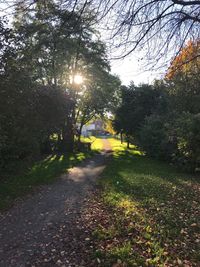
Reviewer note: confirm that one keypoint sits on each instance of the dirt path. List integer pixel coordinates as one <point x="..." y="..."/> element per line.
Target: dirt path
<point x="45" y="229"/>
<point x="106" y="145"/>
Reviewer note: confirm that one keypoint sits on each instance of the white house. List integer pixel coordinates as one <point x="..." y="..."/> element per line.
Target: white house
<point x="87" y="129"/>
<point x="94" y="127"/>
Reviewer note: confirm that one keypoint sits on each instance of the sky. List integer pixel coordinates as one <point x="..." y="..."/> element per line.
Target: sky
<point x="129" y="69"/>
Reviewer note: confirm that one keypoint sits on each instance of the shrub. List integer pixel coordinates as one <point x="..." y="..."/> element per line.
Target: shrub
<point x="29" y="115"/>
<point x="154" y="139"/>
<point x="187" y="129"/>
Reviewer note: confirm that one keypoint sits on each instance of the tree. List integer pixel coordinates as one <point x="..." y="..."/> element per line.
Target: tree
<point x="55" y="46"/>
<point x="138" y="102"/>
<point x="101" y="96"/>
<point x="30" y="114"/>
<point x="45" y="49"/>
<point x="157" y="26"/>
<point x="187" y="130"/>
<point x="154" y="137"/>
<point x="183" y="78"/>
<point x="109" y="125"/>
<point x="182" y="65"/>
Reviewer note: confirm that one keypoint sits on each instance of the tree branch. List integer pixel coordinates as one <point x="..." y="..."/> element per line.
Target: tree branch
<point x="185" y="3"/>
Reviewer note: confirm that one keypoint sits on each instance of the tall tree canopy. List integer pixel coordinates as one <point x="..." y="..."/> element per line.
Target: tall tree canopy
<point x="183" y="78"/>
<point x="138" y="102"/>
<point x="156" y="26"/>
<point x="42" y="54"/>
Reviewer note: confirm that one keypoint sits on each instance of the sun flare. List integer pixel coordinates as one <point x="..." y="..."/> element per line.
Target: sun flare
<point x="78" y="79"/>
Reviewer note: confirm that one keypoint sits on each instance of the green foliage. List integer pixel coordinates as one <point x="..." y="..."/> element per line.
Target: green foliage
<point x="102" y="95"/>
<point x="59" y="45"/>
<point x="164" y="119"/>
<point x="187" y="128"/>
<point x="175" y="139"/>
<point x="30" y="113"/>
<point x="41" y="52"/>
<point x="154" y="139"/>
<point x="17" y="109"/>
<point x="138" y="102"/>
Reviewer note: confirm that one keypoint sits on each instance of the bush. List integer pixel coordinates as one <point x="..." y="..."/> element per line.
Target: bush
<point x="29" y="115"/>
<point x="187" y="129"/>
<point x="176" y="140"/>
<point x="153" y="138"/>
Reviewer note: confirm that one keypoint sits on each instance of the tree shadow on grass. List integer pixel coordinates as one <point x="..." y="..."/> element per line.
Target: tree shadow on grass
<point x="150" y="180"/>
<point x="42" y="172"/>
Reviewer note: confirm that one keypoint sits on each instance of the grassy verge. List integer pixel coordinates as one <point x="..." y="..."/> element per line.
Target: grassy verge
<point x="43" y="172"/>
<point x="155" y="213"/>
<point x="96" y="143"/>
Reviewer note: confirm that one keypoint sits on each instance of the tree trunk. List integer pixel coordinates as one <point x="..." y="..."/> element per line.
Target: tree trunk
<point x="68" y="138"/>
<point x="59" y="142"/>
<point x="121" y="137"/>
<point x="128" y="142"/>
<point x="46" y="146"/>
<point x="79" y="132"/>
<point x="54" y="74"/>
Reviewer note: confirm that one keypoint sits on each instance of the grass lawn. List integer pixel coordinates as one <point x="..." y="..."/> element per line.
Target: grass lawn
<point x="154" y="213"/>
<point x="96" y="142"/>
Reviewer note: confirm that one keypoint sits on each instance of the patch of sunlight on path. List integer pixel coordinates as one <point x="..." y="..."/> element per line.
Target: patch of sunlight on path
<point x="106" y="145"/>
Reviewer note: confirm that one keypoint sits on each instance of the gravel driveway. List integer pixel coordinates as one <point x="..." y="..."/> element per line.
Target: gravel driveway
<point x="42" y="230"/>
